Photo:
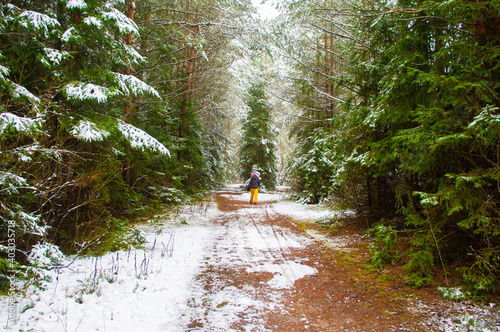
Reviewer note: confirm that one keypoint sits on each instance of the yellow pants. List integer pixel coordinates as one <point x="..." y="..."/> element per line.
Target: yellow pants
<point x="254" y="193"/>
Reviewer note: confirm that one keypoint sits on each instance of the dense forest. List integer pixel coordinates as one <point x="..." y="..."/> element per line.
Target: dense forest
<point x="110" y="110"/>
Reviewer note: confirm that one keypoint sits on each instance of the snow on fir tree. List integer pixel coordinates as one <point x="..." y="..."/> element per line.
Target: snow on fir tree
<point x="38" y="21"/>
<point x="140" y="139"/>
<point x="88" y="131"/>
<point x="87" y="91"/>
<point x="76" y="4"/>
<point x="124" y="24"/>
<point x="131" y="85"/>
<point x="19" y="123"/>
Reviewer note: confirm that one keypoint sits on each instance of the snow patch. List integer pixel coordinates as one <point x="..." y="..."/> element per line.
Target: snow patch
<point x="87" y="91"/>
<point x="139" y="290"/>
<point x="4" y="71"/>
<point x="303" y="212"/>
<point x="137" y="58"/>
<point x="46" y="255"/>
<point x="53" y="56"/>
<point x="92" y="21"/>
<point x="10" y="182"/>
<point x="20" y="91"/>
<point x="285" y="274"/>
<point x="131" y="85"/>
<point x="38" y="21"/>
<point x="70" y="35"/>
<point x="124" y="24"/>
<point x="337" y="242"/>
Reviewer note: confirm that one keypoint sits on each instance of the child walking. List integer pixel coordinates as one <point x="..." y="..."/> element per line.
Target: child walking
<point x="254" y="188"/>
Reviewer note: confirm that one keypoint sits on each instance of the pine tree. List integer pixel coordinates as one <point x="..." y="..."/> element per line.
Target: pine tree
<point x="311" y="37"/>
<point x="86" y="118"/>
<point x="414" y="131"/>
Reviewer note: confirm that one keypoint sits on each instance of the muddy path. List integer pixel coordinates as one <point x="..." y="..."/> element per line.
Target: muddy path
<point x="296" y="277"/>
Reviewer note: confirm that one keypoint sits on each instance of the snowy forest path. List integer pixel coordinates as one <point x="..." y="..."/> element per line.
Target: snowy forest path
<point x="267" y="272"/>
<point x="230" y="267"/>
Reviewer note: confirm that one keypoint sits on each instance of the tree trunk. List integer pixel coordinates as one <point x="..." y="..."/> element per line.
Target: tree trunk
<point x="127" y="107"/>
<point x="187" y="91"/>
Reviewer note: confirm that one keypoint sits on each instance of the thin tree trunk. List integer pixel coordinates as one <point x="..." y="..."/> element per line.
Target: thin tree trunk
<point x="128" y="105"/>
<point x="189" y="65"/>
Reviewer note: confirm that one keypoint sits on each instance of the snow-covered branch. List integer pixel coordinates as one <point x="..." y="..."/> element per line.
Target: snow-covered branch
<point x="140" y="139"/>
<point x="88" y="131"/>
<point x="21" y="124"/>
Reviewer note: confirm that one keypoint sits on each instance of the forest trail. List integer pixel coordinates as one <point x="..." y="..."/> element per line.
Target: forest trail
<point x="298" y="278"/>
<point x="231" y="266"/>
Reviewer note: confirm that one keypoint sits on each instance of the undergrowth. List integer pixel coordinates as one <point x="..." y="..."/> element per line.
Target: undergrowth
<point x="112" y="234"/>
<point x="384" y="247"/>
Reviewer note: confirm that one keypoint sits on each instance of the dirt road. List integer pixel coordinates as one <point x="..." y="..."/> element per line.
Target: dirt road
<point x="266" y="272"/>
<point x="232" y="266"/>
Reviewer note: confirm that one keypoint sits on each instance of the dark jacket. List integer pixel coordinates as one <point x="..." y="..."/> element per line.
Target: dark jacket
<point x="254" y="182"/>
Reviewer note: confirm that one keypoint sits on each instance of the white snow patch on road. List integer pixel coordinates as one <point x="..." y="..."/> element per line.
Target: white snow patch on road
<point x="303" y="212"/>
<point x="136" y="290"/>
<point x="285" y="274"/>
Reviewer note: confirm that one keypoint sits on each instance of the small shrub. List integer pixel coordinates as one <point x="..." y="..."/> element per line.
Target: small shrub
<point x="482" y="276"/>
<point x="383" y="249"/>
<point x="45" y="255"/>
<point x="420" y="266"/>
<point x="118" y="235"/>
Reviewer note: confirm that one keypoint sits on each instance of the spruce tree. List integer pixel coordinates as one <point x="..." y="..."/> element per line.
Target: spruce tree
<point x="257" y="152"/>
<point x="64" y="135"/>
<point x="426" y="107"/>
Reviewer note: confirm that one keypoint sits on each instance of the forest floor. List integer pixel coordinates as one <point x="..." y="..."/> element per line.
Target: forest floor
<point x="231" y="266"/>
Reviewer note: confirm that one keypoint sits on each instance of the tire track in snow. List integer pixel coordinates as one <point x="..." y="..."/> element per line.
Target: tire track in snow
<point x="264" y="238"/>
<point x="284" y="270"/>
<point x="275" y="229"/>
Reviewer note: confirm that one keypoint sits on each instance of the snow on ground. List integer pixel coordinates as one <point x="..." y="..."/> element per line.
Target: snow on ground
<point x="158" y="288"/>
<point x="302" y="212"/>
<point x="163" y="287"/>
<point x="285" y="274"/>
<point x="294" y="210"/>
<point x="246" y="244"/>
<point x="137" y="290"/>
